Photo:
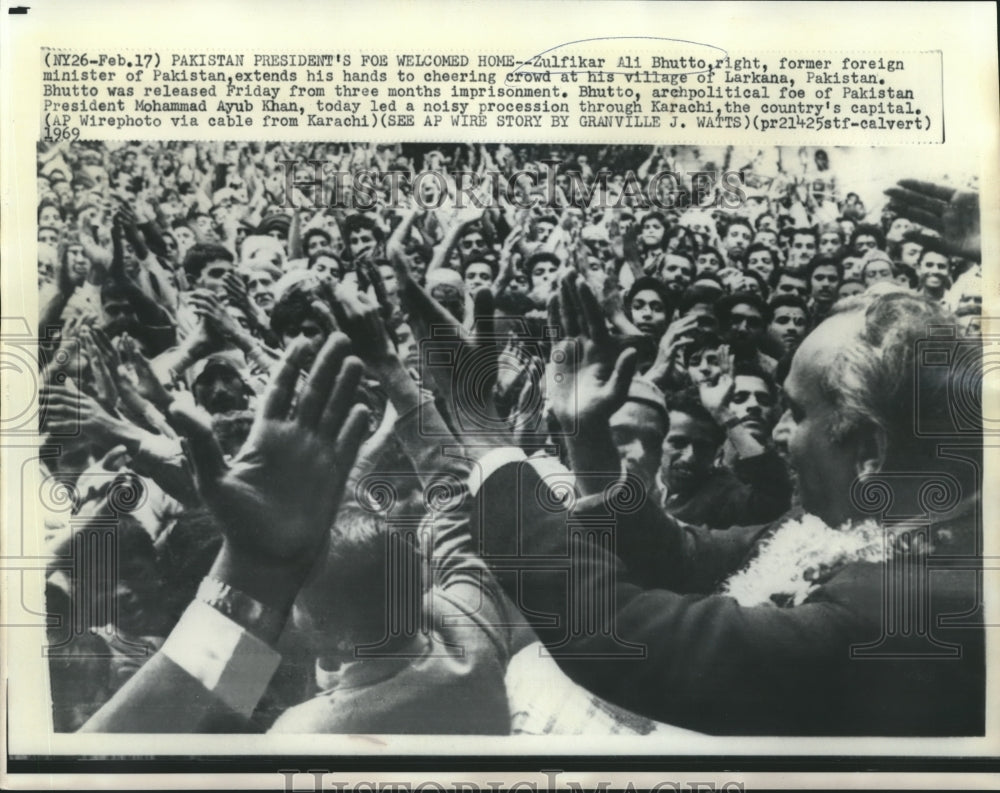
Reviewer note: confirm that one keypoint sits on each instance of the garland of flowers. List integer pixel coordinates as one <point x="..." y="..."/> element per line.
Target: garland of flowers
<point x="798" y="557"/>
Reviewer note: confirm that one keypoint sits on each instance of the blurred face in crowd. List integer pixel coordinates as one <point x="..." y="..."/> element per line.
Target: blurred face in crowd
<point x="185" y="239"/>
<point x="327" y="268"/>
<point x="829" y="243"/>
<point x="802" y="249"/>
<point x="970" y="325"/>
<point x="789" y="326"/>
<point x="543" y="229"/>
<point x="852" y="267"/>
<point x="736" y="240"/>
<point x="638" y="430"/>
<point x="471" y="244"/>
<point x="260" y="288"/>
<point x="898" y="229"/>
<point x="677" y="272"/>
<point x="790" y="285"/>
<point x="876" y="271"/>
<point x="389" y="281"/>
<point x="688" y="452"/>
<point x="934" y="272"/>
<point x="865" y="243"/>
<point x="753" y="405"/>
<point x="909" y="253"/>
<point x="746" y="326"/>
<point x="213" y="277"/>
<point x="478" y="275"/>
<point x="708" y="262"/>
<point x="768" y="237"/>
<point x="361" y="243"/>
<point x="651" y="233"/>
<point x="703" y="367"/>
<point x="762" y="263"/>
<point x="48" y="236"/>
<point x="649" y="314"/>
<point x="308" y="329"/>
<point x="220" y="389"/>
<point x="825" y="467"/>
<point x="543" y="275"/>
<point x="849" y="289"/>
<point x="316" y="242"/>
<point x="823" y="283"/>
<point x="49" y="216"/>
<point x="119" y="316"/>
<point x="77" y="263"/>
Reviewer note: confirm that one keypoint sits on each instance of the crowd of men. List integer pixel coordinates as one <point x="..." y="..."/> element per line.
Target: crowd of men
<point x="308" y="452"/>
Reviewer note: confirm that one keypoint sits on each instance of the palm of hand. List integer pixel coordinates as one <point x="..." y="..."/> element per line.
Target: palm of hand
<point x="267" y="485"/>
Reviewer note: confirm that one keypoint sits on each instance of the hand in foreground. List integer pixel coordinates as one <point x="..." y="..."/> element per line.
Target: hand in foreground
<point x="954" y="214"/>
<point x="278" y="499"/>
<point x="589" y="376"/>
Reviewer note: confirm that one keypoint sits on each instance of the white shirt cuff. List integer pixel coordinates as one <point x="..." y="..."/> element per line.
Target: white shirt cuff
<point x="231" y="663"/>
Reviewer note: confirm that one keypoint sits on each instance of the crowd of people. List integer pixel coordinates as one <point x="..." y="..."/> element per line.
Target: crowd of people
<point x="329" y="469"/>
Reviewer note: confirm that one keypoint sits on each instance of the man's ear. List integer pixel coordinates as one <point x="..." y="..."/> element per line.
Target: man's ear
<point x="870" y="450"/>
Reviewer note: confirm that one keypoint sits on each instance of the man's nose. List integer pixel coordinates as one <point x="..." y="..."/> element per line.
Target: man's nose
<point x="783" y="429"/>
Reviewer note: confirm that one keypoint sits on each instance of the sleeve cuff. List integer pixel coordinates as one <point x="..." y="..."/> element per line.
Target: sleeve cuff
<point x="231" y="663"/>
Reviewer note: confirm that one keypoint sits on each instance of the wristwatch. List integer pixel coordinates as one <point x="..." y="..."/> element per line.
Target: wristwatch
<point x="245" y="611"/>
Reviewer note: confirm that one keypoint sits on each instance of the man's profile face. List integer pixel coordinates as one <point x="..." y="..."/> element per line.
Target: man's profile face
<point x="802" y="249"/>
<point x="823" y="284"/>
<point x="638" y="432"/>
<point x="753" y="405"/>
<point x="825" y="468"/>
<point x="688" y="452"/>
<point x="909" y="253"/>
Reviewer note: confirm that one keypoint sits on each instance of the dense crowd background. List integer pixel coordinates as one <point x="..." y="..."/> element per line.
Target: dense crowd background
<point x="176" y="273"/>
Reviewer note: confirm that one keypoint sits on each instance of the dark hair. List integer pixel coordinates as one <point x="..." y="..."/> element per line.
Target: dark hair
<point x="825" y="261"/>
<point x="316" y="232"/>
<point x="694" y="295"/>
<point x="757" y="247"/>
<point x="803" y="231"/>
<point x="904" y="269"/>
<point x="535" y="258"/>
<point x="295" y="306"/>
<point x="712" y="250"/>
<point x="200" y="254"/>
<point x="794" y="272"/>
<point x="725" y="306"/>
<point x="700" y="341"/>
<point x="688" y="401"/>
<point x="867" y="230"/>
<point x="750" y="368"/>
<point x="481" y="259"/>
<point x="326" y="253"/>
<point x="789" y="301"/>
<point x="764" y="289"/>
<point x="654" y="284"/>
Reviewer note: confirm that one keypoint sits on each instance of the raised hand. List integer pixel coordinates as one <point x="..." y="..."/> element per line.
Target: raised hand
<point x="954" y="214"/>
<point x="278" y="499"/>
<point x="589" y="375"/>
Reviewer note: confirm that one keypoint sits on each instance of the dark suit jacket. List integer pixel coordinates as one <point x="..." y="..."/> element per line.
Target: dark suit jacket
<point x="620" y="593"/>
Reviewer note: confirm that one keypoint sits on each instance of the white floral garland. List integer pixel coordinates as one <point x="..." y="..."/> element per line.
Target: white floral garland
<point x="791" y="562"/>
